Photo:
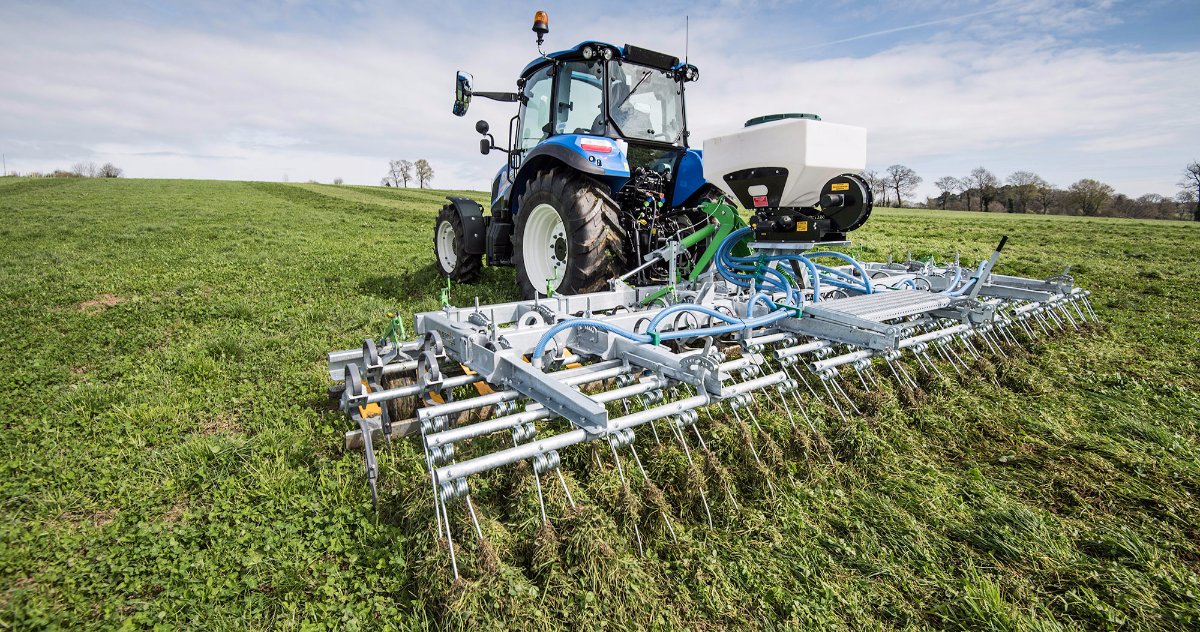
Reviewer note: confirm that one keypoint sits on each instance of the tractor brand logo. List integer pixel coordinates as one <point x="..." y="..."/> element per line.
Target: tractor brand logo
<point x="760" y="200"/>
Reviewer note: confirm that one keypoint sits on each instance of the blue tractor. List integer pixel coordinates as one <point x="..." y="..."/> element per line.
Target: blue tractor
<point x="599" y="176"/>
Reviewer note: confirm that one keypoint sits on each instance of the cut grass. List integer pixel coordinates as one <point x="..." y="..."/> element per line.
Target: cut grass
<point x="171" y="456"/>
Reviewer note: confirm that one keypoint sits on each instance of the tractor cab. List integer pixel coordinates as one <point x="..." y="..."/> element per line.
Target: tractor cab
<point x="606" y="104"/>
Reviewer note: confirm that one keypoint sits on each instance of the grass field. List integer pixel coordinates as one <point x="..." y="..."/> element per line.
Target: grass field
<point x="171" y="457"/>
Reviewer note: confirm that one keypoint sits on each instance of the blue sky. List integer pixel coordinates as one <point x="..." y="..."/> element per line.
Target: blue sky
<point x="265" y="90"/>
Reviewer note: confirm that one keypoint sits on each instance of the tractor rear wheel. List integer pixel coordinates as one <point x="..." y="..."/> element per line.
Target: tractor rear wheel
<point x="452" y="259"/>
<point x="568" y="236"/>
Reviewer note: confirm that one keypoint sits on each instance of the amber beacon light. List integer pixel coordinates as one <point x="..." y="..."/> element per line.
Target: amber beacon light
<point x="541" y="25"/>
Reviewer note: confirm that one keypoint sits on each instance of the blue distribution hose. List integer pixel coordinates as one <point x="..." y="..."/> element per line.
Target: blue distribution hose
<point x="866" y="280"/>
<point x="758" y="273"/>
<point x="957" y="278"/>
<point x="967" y="288"/>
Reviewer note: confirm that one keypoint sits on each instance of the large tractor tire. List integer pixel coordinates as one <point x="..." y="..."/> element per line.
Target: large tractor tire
<point x="568" y="236"/>
<point x="452" y="260"/>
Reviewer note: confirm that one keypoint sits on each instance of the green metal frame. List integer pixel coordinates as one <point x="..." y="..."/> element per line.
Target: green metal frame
<point x="727" y="220"/>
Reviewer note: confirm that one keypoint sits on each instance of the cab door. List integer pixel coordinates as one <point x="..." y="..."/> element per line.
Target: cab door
<point x="534" y="119"/>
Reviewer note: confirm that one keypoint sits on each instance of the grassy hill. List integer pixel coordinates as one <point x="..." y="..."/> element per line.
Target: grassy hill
<point x="171" y="457"/>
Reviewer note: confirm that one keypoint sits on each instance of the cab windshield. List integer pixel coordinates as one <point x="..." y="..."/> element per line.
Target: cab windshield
<point x="645" y="103"/>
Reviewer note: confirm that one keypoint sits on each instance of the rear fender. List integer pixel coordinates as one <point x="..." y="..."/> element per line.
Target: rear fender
<point x="474" y="229"/>
<point x="572" y="151"/>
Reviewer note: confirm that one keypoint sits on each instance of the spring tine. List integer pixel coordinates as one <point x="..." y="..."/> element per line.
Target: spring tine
<point x="1088" y="304"/>
<point x="621" y="472"/>
<point x="995" y="344"/>
<point x="474" y="518"/>
<point x="704" y="446"/>
<point x="654" y="431"/>
<point x="661" y="511"/>
<point x="370" y="462"/>
<point x="1075" y="304"/>
<point x="783" y="398"/>
<point x="904" y="372"/>
<point x="834" y="400"/>
<point x="433" y="483"/>
<point x="620" y="469"/>
<point x="970" y="348"/>
<point x="800" y="377"/>
<point x="1037" y="318"/>
<point x="921" y="362"/>
<point x="954" y="352"/>
<point x="858" y="372"/>
<point x="1067" y="313"/>
<point x="450" y="540"/>
<point x="678" y="433"/>
<point x="839" y="389"/>
<point x="935" y="366"/>
<point x="537" y="479"/>
<point x="570" y="499"/>
<point x="750" y="411"/>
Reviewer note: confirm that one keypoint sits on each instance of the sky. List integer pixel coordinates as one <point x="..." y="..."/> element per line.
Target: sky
<point x="293" y="90"/>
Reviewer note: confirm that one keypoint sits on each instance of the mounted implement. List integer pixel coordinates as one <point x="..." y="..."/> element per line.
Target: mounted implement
<point x="650" y="299"/>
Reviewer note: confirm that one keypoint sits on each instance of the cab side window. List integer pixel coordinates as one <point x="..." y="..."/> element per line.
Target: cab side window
<point x="580" y="99"/>
<point x="535" y="113"/>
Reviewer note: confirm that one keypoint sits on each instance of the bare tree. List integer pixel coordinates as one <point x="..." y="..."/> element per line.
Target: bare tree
<point x="963" y="187"/>
<point x="1187" y="201"/>
<point x="1152" y="205"/>
<point x="424" y="172"/>
<point x="1045" y="196"/>
<point x="946" y="185"/>
<point x="385" y="182"/>
<point x="406" y="171"/>
<point x="1089" y="196"/>
<point x="903" y="181"/>
<point x="985" y="181"/>
<point x="1025" y="185"/>
<point x="1191" y="183"/>
<point x="337" y="180"/>
<point x="878" y="186"/>
<point x="109" y="170"/>
<point x="79" y="169"/>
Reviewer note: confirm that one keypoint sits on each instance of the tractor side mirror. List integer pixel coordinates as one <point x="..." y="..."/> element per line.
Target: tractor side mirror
<point x="485" y="146"/>
<point x="462" y="93"/>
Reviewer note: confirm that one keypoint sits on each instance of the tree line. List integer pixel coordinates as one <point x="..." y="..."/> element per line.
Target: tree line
<point x="1027" y="192"/>
<point x="401" y="172"/>
<point x="78" y="170"/>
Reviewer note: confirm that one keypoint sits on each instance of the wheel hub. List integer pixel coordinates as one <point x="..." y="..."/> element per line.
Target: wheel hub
<point x="545" y="246"/>
<point x="447" y="246"/>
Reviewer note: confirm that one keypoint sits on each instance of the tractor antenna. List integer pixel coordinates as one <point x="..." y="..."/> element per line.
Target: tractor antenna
<point x="687" y="36"/>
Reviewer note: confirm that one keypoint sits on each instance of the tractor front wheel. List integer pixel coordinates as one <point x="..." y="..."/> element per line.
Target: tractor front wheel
<point x="452" y="259"/>
<point x="568" y="237"/>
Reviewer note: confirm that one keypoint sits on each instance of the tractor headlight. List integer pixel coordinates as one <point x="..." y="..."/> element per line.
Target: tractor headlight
<point x="606" y="53"/>
<point x="588" y="52"/>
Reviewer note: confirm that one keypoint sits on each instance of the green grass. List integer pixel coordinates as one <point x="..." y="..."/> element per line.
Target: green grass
<point x="171" y="457"/>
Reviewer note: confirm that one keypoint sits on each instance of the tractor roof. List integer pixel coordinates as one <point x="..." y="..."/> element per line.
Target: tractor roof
<point x="632" y="53"/>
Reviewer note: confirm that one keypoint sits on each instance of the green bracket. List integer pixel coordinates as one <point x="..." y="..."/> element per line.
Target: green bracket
<point x="445" y="294"/>
<point x="550" y="288"/>
<point x="727" y="220"/>
<point x="395" y="331"/>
